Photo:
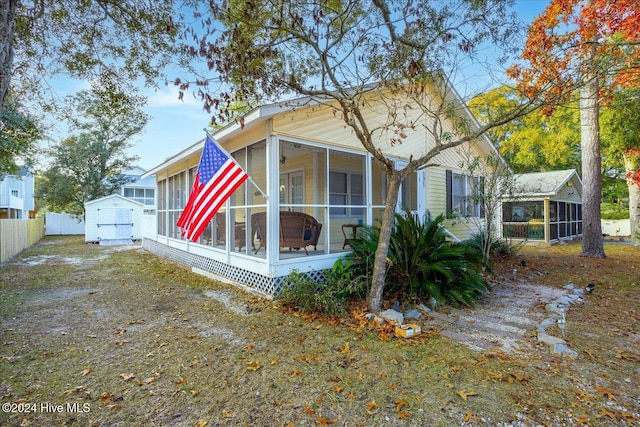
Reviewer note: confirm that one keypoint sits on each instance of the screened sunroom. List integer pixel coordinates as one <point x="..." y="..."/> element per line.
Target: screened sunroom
<point x="322" y="199"/>
<point x="547" y="207"/>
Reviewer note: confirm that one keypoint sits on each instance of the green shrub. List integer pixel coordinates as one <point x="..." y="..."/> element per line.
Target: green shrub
<point x="325" y="297"/>
<point x="421" y="262"/>
<point x="501" y="248"/>
<point x="614" y="211"/>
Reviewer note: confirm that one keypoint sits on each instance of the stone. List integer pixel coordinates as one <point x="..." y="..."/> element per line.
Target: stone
<point x="372" y="317"/>
<point x="550" y="339"/>
<point x="566" y="300"/>
<point x="553" y="308"/>
<point x="562" y="349"/>
<point x="423" y="308"/>
<point x="569" y="287"/>
<point x="392" y="316"/>
<point x="546" y="323"/>
<point x="412" y="314"/>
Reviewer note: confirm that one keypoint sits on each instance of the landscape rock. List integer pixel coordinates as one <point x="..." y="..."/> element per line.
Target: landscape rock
<point x="423" y="308"/>
<point x="554" y="308"/>
<point x="550" y="339"/>
<point x="562" y="349"/>
<point x="392" y="316"/>
<point x="412" y="314"/>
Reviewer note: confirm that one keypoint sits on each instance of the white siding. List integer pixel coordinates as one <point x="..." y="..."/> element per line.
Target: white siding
<point x="111" y="202"/>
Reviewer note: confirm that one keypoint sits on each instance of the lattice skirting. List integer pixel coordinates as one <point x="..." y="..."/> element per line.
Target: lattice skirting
<point x="257" y="282"/>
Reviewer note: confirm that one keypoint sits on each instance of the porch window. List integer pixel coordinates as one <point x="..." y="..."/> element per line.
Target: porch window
<point x="463" y="195"/>
<point x="523" y="220"/>
<point x="346" y="188"/>
<point x="143" y="195"/>
<point x="177" y="197"/>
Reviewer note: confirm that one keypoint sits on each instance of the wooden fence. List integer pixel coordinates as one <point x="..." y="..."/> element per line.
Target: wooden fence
<point x="18" y="234"/>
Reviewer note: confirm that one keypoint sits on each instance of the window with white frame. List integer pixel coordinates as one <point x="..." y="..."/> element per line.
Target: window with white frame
<point x="346" y="188"/>
<point x="463" y="195"/>
<point x="145" y="196"/>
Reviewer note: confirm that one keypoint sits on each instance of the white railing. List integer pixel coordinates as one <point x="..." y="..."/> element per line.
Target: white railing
<point x="11" y="202"/>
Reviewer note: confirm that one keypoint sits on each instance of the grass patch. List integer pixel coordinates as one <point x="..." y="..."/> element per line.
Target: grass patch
<point x="137" y="339"/>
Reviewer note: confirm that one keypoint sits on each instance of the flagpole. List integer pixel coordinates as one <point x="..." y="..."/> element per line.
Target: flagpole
<point x="225" y="151"/>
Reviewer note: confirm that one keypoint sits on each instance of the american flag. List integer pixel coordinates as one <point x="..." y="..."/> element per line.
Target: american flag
<point x="217" y="178"/>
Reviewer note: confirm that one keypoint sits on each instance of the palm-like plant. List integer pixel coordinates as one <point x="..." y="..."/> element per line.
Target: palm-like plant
<point x="422" y="262"/>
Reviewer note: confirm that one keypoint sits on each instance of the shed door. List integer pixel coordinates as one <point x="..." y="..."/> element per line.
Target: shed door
<point x="115" y="223"/>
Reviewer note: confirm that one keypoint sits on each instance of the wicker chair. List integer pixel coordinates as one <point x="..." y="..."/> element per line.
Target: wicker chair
<point x="297" y="230"/>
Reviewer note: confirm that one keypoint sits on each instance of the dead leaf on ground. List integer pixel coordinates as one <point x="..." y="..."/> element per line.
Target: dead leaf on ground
<point x="85" y="371"/>
<point x="605" y="392"/>
<point x="127" y="377"/>
<point x="629" y="355"/>
<point x="345" y="349"/>
<point x="465" y="394"/>
<point x="253" y="366"/>
<point x="400" y="404"/>
<point x="324" y="421"/>
<point x="468" y="417"/>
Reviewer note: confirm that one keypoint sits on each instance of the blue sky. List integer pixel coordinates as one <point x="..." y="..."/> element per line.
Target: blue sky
<point x="177" y="124"/>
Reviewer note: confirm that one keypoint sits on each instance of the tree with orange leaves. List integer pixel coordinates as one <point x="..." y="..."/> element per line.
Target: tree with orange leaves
<point x="595" y="45"/>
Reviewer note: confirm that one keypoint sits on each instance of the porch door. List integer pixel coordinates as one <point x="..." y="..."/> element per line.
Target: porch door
<point x="292" y="189"/>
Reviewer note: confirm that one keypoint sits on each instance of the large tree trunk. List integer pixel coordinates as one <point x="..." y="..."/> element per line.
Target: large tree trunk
<point x="632" y="164"/>
<point x="374" y="300"/>
<point x="592" y="239"/>
<point x="8" y="10"/>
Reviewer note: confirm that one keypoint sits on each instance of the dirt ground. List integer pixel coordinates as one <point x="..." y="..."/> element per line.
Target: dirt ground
<point x="114" y="336"/>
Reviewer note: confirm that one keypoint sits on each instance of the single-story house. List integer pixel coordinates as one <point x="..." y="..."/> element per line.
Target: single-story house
<point x="113" y="218"/>
<point x="546" y="207"/>
<point x="319" y="186"/>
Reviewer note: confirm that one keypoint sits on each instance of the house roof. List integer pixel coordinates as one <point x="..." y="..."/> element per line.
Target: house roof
<point x="545" y="183"/>
<point x="261" y="113"/>
<point x="126" y="200"/>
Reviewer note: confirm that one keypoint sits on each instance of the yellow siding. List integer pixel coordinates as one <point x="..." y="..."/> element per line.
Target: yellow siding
<point x="436" y="191"/>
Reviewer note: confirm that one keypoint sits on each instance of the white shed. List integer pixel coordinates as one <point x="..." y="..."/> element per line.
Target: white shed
<point x="113" y="218"/>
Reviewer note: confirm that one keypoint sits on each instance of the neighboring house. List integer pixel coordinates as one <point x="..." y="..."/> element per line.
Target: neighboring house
<point x="16" y="195"/>
<point x="306" y="161"/>
<point x="142" y="190"/>
<point x="113" y="218"/>
<point x="547" y="207"/>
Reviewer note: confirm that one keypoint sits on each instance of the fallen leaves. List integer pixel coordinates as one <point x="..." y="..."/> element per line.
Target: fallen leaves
<point x="253" y="366"/>
<point x="345" y="349"/>
<point x="465" y="394"/>
<point x="605" y="392"/>
<point x="372" y="407"/>
<point x="468" y="417"/>
<point x="324" y="421"/>
<point x="128" y="376"/>
<point x="628" y="355"/>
